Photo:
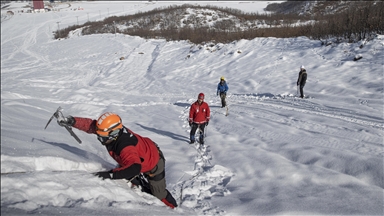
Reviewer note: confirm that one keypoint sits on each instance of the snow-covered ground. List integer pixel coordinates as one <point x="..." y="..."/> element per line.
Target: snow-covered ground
<point x="275" y="154"/>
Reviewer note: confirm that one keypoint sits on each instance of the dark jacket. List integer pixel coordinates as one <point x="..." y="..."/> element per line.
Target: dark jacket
<point x="302" y="77"/>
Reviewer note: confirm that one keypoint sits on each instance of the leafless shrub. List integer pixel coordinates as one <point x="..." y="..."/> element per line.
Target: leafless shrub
<point x="63" y="33"/>
<point x="360" y="20"/>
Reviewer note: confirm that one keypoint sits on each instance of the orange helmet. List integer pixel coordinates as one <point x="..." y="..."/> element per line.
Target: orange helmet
<point x="108" y="124"/>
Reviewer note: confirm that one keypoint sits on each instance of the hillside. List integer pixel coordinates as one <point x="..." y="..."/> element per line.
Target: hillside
<point x="320" y="20"/>
<point x="274" y="154"/>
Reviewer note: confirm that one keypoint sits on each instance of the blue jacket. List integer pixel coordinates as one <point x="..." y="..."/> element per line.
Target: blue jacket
<point x="222" y="88"/>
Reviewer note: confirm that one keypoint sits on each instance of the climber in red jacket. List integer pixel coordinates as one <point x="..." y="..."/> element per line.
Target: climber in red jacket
<point x="199" y="115"/>
<point x="135" y="154"/>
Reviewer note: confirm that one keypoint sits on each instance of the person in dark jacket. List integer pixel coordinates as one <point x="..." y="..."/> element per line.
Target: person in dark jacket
<point x="222" y="89"/>
<point x="301" y="80"/>
<point x="136" y="155"/>
<point x="199" y="115"/>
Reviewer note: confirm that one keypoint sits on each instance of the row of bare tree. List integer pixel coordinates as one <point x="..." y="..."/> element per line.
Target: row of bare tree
<point x="361" y="20"/>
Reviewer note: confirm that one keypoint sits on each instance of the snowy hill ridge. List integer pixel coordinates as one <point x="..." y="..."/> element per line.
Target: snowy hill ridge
<point x="274" y="154"/>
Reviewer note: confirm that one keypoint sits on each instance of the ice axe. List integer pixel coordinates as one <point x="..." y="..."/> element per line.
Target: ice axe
<point x="59" y="116"/>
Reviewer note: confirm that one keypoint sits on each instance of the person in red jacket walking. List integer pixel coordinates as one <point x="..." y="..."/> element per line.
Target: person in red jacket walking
<point x="136" y="155"/>
<point x="199" y="115"/>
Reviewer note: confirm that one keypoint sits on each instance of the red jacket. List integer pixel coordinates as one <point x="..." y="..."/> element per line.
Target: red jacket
<point x="199" y="113"/>
<point x="131" y="151"/>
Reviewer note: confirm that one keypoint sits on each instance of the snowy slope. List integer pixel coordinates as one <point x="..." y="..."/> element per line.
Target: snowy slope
<point x="274" y="154"/>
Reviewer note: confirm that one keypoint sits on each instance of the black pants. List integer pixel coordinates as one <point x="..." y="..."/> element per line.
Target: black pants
<point x="193" y="131"/>
<point x="302" y="91"/>
<point x="222" y="96"/>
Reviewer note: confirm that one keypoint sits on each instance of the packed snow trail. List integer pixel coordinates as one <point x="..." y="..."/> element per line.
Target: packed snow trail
<point x="206" y="181"/>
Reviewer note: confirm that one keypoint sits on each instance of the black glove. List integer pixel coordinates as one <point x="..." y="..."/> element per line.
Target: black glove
<point x="104" y="175"/>
<point x="67" y="121"/>
<point x="190" y="124"/>
<point x="206" y="123"/>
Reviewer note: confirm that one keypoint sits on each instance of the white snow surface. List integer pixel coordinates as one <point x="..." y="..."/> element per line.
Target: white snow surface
<point x="274" y="154"/>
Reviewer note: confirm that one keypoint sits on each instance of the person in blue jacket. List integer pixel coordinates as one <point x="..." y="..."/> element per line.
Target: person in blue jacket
<point x="222" y="89"/>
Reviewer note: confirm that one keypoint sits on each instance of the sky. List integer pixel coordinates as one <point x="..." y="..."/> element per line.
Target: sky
<point x="274" y="154"/>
